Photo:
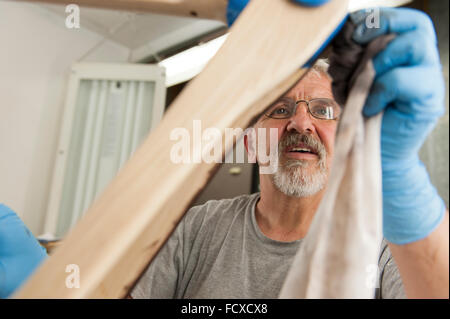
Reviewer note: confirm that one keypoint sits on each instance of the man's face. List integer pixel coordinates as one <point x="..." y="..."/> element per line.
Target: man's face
<point x="305" y="143"/>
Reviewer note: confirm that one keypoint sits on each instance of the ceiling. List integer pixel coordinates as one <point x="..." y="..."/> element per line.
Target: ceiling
<point x="148" y="34"/>
<point x="145" y="34"/>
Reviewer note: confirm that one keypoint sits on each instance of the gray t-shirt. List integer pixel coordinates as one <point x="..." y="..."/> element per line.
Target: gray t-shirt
<point x="218" y="251"/>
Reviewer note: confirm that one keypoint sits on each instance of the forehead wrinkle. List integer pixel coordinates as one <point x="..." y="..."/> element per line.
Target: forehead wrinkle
<point x="319" y="93"/>
<point x="317" y="89"/>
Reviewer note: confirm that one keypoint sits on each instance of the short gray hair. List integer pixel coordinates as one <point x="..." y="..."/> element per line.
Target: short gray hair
<point x="321" y="67"/>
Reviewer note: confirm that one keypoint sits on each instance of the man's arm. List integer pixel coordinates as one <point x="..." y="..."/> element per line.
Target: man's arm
<point x="428" y="257"/>
<point x="409" y="88"/>
<point x="161" y="278"/>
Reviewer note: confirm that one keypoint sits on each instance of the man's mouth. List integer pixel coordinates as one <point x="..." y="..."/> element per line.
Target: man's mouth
<point x="302" y="149"/>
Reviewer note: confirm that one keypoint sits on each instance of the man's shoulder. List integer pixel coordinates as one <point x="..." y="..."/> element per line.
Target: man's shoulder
<point x="219" y="211"/>
<point x="390" y="281"/>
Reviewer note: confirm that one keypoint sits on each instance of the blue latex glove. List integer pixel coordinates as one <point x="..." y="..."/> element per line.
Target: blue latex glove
<point x="20" y="252"/>
<point x="236" y="6"/>
<point x="409" y="87"/>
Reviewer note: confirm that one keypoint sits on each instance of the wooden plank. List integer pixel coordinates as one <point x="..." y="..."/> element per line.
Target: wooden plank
<point x="206" y="9"/>
<point x="129" y="222"/>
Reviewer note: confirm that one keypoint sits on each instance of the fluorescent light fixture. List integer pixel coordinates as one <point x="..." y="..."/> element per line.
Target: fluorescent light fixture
<point x="187" y="64"/>
<point x="110" y="109"/>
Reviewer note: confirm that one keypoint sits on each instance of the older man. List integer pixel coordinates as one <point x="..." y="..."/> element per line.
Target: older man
<point x="243" y="247"/>
<point x="306" y="120"/>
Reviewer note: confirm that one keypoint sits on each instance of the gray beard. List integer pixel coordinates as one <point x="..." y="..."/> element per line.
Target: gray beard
<point x="292" y="179"/>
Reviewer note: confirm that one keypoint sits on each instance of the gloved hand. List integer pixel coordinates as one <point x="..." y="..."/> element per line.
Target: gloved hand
<point x="20" y="252"/>
<point x="235" y="7"/>
<point x="409" y="87"/>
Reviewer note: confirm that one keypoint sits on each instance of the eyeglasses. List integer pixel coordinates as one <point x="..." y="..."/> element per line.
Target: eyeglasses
<point x="322" y="108"/>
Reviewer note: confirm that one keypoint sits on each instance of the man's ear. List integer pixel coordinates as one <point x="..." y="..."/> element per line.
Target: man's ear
<point x="250" y="144"/>
<point x="246" y="142"/>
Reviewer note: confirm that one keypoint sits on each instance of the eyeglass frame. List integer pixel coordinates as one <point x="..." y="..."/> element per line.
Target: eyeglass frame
<point x="307" y="106"/>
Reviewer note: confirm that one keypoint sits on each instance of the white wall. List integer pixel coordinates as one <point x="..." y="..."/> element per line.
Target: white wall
<point x="435" y="152"/>
<point x="36" y="53"/>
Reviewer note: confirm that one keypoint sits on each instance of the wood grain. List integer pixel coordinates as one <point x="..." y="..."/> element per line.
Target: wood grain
<point x="114" y="242"/>
<point x="206" y="9"/>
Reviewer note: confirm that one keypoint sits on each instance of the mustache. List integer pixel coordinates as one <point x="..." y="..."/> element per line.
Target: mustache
<point x="294" y="139"/>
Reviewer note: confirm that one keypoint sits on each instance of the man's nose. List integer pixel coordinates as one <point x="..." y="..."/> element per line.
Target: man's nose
<point x="302" y="120"/>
